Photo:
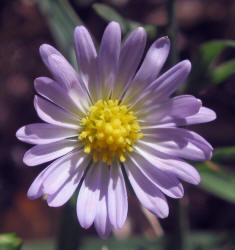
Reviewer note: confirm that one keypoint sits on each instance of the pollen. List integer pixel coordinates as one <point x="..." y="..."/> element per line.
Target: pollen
<point x="109" y="131"/>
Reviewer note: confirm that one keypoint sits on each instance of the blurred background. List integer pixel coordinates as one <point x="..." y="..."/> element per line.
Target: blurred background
<point x="205" y="35"/>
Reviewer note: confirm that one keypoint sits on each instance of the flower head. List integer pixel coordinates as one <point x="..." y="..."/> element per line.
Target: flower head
<point x="113" y="114"/>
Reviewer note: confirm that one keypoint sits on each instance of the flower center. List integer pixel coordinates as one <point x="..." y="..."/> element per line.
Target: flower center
<point x="109" y="130"/>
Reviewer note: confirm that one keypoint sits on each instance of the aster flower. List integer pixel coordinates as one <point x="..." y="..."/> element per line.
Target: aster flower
<point x="113" y="116"/>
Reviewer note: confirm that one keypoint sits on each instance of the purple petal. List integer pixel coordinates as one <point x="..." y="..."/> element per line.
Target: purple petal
<point x="52" y="91"/>
<point x="181" y="169"/>
<point x="53" y="114"/>
<point x="43" y="133"/>
<point x="153" y="61"/>
<point x="176" y="107"/>
<point x="87" y="59"/>
<point x="85" y="53"/>
<point x="146" y="192"/>
<point x="204" y="115"/>
<point x="163" y="86"/>
<point x="109" y="56"/>
<point x="130" y="57"/>
<point x="150" y="68"/>
<point x="117" y="197"/>
<point x="102" y="223"/>
<point x="47" y="152"/>
<point x="177" y="142"/>
<point x="88" y="196"/>
<point x="170" y="81"/>
<point x="171" y="166"/>
<point x="67" y="166"/>
<point x="65" y="192"/>
<point x="47" y="50"/>
<point x="167" y="183"/>
<point x="65" y="73"/>
<point x="35" y="190"/>
<point x="64" y="180"/>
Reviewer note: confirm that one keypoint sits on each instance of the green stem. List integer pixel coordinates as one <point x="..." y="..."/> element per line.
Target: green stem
<point x="181" y="225"/>
<point x="172" y="31"/>
<point x="179" y="210"/>
<point x="69" y="230"/>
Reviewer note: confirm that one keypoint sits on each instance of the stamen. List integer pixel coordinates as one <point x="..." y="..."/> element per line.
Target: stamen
<point x="109" y="130"/>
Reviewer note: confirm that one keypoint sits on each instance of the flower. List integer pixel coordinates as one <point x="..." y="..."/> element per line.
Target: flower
<point x="108" y="119"/>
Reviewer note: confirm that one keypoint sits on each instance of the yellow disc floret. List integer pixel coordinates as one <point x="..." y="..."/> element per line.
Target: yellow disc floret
<point x="109" y="130"/>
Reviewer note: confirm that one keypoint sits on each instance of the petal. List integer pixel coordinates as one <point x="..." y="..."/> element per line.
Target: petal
<point x="52" y="91"/>
<point x="177" y="142"/>
<point x="150" y="68"/>
<point x="204" y="115"/>
<point x="163" y="86"/>
<point x="35" y="190"/>
<point x="146" y="192"/>
<point x="53" y="114"/>
<point x="176" y="107"/>
<point x="65" y="74"/>
<point x="43" y="133"/>
<point x="102" y="223"/>
<point x="117" y="197"/>
<point x="170" y="81"/>
<point x="65" y="181"/>
<point x="47" y="152"/>
<point x="166" y="182"/>
<point x="153" y="61"/>
<point x="88" y="196"/>
<point x="64" y="194"/>
<point x="87" y="59"/>
<point x="71" y="164"/>
<point x="46" y="50"/>
<point x="85" y="52"/>
<point x="170" y="166"/>
<point x="181" y="169"/>
<point x="109" y="56"/>
<point x="130" y="57"/>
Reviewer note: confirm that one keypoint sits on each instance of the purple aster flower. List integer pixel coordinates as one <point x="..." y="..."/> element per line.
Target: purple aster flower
<point x="113" y="114"/>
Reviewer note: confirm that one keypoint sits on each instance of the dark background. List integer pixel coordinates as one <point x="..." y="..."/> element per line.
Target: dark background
<point x="23" y="29"/>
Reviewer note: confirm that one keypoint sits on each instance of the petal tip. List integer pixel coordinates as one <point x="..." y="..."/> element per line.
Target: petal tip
<point x="37" y="81"/>
<point x="115" y="23"/>
<point x="140" y="29"/>
<point x="45" y="48"/>
<point x="19" y="133"/>
<point x="213" y="115"/>
<point x="163" y="41"/>
<point x="164" y="214"/>
<point x="114" y="26"/>
<point x="187" y="65"/>
<point x="26" y="160"/>
<point x="79" y="29"/>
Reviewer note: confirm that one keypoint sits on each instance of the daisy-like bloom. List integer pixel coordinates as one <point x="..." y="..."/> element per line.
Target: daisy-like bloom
<point x="113" y="116"/>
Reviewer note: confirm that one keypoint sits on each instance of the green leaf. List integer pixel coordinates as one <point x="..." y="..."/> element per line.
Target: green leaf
<point x="223" y="71"/>
<point x="224" y="154"/>
<point x="62" y="20"/>
<point x="203" y="74"/>
<point x="84" y="3"/>
<point x="109" y="14"/>
<point x="210" y="51"/>
<point x="10" y="242"/>
<point x="195" y="241"/>
<point x="217" y="180"/>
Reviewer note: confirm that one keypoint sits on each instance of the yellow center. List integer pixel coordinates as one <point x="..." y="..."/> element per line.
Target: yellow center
<point x="109" y="130"/>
